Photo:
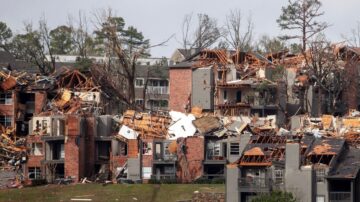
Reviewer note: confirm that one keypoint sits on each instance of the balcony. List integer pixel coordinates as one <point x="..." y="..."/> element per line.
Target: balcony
<point x="157" y="90"/>
<point x="255" y="184"/>
<point x="165" y="176"/>
<point x="340" y="197"/>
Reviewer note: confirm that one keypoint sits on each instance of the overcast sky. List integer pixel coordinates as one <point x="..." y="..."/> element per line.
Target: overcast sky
<point x="159" y="19"/>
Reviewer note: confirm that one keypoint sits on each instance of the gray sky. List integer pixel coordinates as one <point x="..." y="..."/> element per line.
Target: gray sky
<point x="159" y="19"/>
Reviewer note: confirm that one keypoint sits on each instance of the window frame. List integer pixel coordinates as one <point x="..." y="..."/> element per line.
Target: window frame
<point x="6" y="120"/>
<point x="36" y="171"/>
<point x="233" y="153"/>
<point x="6" y="99"/>
<point x="279" y="176"/>
<point x="139" y="101"/>
<point x="320" y="175"/>
<point x="33" y="147"/>
<point x="142" y="82"/>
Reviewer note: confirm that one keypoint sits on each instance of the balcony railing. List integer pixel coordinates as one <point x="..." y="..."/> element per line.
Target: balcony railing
<point x="158" y="157"/>
<point x="165" y="176"/>
<point x="157" y="90"/>
<point x="340" y="197"/>
<point x="254" y="184"/>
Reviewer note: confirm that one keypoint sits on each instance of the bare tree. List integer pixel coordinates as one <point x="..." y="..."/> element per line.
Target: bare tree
<point x="204" y="34"/>
<point x="81" y="39"/>
<point x="354" y="38"/>
<point x="302" y="15"/>
<point x="239" y="35"/>
<point x="326" y="76"/>
<point x="185" y="30"/>
<point x="127" y="46"/>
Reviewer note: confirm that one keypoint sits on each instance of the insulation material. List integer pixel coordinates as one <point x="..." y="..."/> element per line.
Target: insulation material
<point x="65" y="98"/>
<point x="182" y="125"/>
<point x="89" y="96"/>
<point x="147" y="125"/>
<point x="128" y="133"/>
<point x="327" y="121"/>
<point x="351" y="122"/>
<point x="172" y="147"/>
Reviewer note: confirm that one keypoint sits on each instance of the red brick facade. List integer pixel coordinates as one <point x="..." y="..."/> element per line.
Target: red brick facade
<point x="146" y="158"/>
<point x="194" y="157"/>
<point x="73" y="144"/>
<point x="40" y="101"/>
<point x="180" y="88"/>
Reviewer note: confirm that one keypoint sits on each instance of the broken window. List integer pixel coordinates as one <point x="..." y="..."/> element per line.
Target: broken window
<point x="320" y="175"/>
<point x="157" y="151"/>
<point x="103" y="150"/>
<point x="34" y="173"/>
<point x="147" y="148"/>
<point x="234" y="148"/>
<point x="57" y="150"/>
<point x="139" y="82"/>
<point x="123" y="149"/>
<point x="36" y="149"/>
<point x="6" y="98"/>
<point x="6" y="120"/>
<point x="213" y="149"/>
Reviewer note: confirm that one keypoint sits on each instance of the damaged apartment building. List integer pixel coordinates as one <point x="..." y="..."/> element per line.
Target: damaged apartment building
<point x="317" y="161"/>
<point x="227" y="82"/>
<point x="178" y="147"/>
<point x="50" y="123"/>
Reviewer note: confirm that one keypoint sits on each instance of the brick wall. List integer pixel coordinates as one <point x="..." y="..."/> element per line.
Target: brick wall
<point x="90" y="146"/>
<point x="194" y="157"/>
<point x="72" y="149"/>
<point x="180" y="88"/>
<point x="351" y="91"/>
<point x="35" y="161"/>
<point x="133" y="148"/>
<point x="147" y="159"/>
<point x="40" y="101"/>
<point x="9" y="109"/>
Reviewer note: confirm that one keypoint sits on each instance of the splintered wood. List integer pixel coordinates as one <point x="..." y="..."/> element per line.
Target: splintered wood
<point x="147" y="125"/>
<point x="11" y="148"/>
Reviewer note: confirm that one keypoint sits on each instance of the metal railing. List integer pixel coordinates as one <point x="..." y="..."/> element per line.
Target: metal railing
<point x="340" y="196"/>
<point x="157" y="90"/>
<point x="255" y="182"/>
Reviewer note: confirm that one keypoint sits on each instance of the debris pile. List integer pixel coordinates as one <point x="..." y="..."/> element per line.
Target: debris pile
<point x="12" y="149"/>
<point x="347" y="127"/>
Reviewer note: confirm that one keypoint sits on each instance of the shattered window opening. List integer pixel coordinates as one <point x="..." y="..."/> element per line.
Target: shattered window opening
<point x="6" y="120"/>
<point x="147" y="148"/>
<point x="6" y="98"/>
<point x="34" y="173"/>
<point x="36" y="149"/>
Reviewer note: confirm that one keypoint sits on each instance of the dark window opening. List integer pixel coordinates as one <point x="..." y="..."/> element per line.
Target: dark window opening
<point x="6" y="98"/>
<point x="5" y="120"/>
<point x="103" y="150"/>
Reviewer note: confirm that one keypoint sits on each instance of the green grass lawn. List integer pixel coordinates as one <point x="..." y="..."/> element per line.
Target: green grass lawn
<point x="116" y="192"/>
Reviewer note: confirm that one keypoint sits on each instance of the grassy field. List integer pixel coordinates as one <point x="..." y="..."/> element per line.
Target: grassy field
<point x="117" y="192"/>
